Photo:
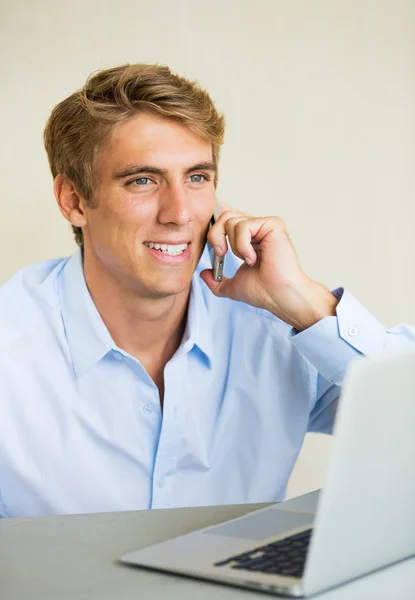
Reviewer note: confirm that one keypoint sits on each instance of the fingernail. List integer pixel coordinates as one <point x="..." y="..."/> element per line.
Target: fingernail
<point x="218" y="250"/>
<point x="248" y="260"/>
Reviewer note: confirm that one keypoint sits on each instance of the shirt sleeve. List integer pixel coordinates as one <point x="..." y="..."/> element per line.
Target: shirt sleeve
<point x="332" y="343"/>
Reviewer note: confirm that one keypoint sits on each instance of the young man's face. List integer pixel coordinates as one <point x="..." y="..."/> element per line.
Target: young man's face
<point x="155" y="195"/>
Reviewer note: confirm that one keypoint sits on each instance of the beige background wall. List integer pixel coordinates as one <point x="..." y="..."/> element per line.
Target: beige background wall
<point x="319" y="97"/>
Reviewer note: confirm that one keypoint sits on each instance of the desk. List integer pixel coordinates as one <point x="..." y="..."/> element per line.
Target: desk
<point x="75" y="558"/>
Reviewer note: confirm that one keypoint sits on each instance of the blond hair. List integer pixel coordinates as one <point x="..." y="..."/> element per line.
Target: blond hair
<point x="79" y="125"/>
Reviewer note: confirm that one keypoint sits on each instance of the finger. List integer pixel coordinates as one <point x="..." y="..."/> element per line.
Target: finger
<point x="223" y="207"/>
<point x="262" y="228"/>
<point x="241" y="239"/>
<point x="217" y="233"/>
<point x="241" y="247"/>
<point x="248" y="235"/>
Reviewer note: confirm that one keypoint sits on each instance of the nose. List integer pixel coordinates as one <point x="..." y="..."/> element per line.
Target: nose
<point x="174" y="206"/>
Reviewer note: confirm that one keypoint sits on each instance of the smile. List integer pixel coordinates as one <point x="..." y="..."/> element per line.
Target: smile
<point x="171" y="249"/>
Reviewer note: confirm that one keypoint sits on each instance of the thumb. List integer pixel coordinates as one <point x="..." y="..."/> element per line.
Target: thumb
<point x="222" y="289"/>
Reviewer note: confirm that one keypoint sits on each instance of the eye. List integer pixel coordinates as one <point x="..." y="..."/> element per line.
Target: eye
<point x="198" y="178"/>
<point x="141" y="181"/>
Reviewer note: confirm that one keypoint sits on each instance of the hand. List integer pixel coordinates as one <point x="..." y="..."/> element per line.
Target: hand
<point x="271" y="277"/>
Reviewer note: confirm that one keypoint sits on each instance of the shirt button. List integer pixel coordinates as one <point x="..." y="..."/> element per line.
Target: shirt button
<point x="161" y="482"/>
<point x="147" y="410"/>
<point x="353" y="331"/>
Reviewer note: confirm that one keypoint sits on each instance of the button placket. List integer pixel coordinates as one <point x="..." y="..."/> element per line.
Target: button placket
<point x="147" y="409"/>
<point x="171" y="433"/>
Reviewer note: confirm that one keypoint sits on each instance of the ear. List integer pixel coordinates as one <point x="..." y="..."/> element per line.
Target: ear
<point x="70" y="202"/>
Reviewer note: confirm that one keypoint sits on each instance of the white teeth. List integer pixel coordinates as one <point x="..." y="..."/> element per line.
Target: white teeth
<point x="172" y="249"/>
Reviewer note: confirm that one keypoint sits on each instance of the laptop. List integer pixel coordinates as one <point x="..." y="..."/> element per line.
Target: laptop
<point x="364" y="518"/>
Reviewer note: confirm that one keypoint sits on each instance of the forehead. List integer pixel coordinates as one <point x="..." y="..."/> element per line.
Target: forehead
<point x="153" y="140"/>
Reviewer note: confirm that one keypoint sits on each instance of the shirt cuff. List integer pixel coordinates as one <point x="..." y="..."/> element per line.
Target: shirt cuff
<point x="330" y="344"/>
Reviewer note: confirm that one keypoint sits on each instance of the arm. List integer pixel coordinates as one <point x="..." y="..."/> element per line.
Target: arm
<point x="333" y="342"/>
<point x="329" y="329"/>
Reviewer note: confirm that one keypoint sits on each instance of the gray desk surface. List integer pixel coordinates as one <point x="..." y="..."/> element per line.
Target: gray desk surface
<point x="76" y="557"/>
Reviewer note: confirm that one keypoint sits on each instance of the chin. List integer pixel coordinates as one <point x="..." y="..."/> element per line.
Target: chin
<point x="158" y="293"/>
<point x="164" y="289"/>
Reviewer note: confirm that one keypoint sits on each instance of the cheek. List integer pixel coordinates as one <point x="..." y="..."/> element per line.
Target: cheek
<point x="204" y="208"/>
<point x="122" y="217"/>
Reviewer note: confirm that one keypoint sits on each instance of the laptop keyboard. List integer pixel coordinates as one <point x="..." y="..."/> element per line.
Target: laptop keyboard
<point x="285" y="557"/>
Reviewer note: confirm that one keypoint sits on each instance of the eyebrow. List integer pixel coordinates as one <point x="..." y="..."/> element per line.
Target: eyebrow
<point x="139" y="169"/>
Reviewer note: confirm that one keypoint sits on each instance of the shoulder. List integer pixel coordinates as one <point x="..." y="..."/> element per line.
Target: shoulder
<point x="26" y="297"/>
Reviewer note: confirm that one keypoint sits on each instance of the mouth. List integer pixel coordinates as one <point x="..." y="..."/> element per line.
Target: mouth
<point x="168" y="249"/>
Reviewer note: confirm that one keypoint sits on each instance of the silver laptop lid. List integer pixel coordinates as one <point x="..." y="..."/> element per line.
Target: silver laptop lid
<point x="366" y="513"/>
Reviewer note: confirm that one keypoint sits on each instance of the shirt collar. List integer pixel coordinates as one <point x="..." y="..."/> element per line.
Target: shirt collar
<point x="89" y="339"/>
<point x="198" y="330"/>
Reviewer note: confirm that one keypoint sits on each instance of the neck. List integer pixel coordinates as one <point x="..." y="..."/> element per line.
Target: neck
<point x="150" y="329"/>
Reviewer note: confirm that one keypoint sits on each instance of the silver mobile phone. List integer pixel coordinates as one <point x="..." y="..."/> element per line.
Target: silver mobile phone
<point x="218" y="262"/>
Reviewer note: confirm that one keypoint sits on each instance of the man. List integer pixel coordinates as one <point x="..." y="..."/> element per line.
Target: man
<point x="127" y="382"/>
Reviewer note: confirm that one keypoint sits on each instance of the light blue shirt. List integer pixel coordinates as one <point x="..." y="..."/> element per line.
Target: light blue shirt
<point x="81" y="428"/>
